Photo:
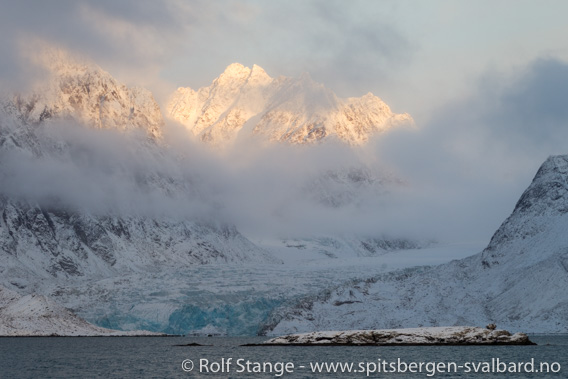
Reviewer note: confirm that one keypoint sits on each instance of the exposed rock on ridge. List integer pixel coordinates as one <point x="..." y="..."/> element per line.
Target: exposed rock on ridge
<point x="85" y="92"/>
<point x="248" y="101"/>
<point x="54" y="243"/>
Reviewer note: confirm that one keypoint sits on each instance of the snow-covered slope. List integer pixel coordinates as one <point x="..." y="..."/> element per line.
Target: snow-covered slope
<point x="350" y="246"/>
<point x="46" y="242"/>
<point x="519" y="281"/>
<point x="84" y="92"/>
<point x="353" y="185"/>
<point x="36" y="315"/>
<point x="295" y="110"/>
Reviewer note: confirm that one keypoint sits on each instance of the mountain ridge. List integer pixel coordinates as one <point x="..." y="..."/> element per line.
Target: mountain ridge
<point x="292" y="110"/>
<point x="83" y="91"/>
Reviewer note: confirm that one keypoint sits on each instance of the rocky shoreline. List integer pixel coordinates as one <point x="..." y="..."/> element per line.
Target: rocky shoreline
<point x="431" y="336"/>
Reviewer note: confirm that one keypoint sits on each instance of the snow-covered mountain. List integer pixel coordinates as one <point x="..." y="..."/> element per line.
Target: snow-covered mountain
<point x="46" y="242"/>
<point x="91" y="196"/>
<point x="84" y="92"/>
<point x="99" y="214"/>
<point x="245" y="101"/>
<point x="519" y="281"/>
<point x="47" y="231"/>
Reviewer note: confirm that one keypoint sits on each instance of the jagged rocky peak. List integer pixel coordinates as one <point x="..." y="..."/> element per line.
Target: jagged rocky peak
<point x="81" y="90"/>
<point x="543" y="201"/>
<point x="238" y="72"/>
<point x="235" y="69"/>
<point x="549" y="189"/>
<point x="292" y="110"/>
<point x="235" y="72"/>
<point x="258" y="74"/>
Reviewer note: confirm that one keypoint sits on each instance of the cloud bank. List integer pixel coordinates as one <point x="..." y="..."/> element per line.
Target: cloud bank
<point x="455" y="178"/>
<point x="477" y="154"/>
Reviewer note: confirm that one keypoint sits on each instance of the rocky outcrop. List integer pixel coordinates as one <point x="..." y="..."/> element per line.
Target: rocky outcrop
<point x="455" y="335"/>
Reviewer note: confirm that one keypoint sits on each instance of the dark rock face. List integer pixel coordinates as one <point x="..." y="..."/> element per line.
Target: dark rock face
<point x="76" y="244"/>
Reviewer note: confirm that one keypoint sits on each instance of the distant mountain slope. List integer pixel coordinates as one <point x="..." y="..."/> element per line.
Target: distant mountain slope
<point x="519" y="281"/>
<point x="339" y="187"/>
<point x="42" y="242"/>
<point x="36" y="315"/>
<point x="248" y="101"/>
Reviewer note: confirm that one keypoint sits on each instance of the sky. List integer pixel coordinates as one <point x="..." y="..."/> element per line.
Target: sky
<point x="485" y="81"/>
<point x="412" y="54"/>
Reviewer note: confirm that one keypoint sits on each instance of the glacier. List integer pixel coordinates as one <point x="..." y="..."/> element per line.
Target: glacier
<point x="234" y="298"/>
<point x="518" y="281"/>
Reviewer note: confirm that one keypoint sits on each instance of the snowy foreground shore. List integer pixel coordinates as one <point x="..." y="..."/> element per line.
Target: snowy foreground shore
<point x="453" y="335"/>
<point x="39" y="316"/>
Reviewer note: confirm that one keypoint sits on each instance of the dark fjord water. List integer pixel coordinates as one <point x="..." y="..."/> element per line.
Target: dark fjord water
<point x="143" y="357"/>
